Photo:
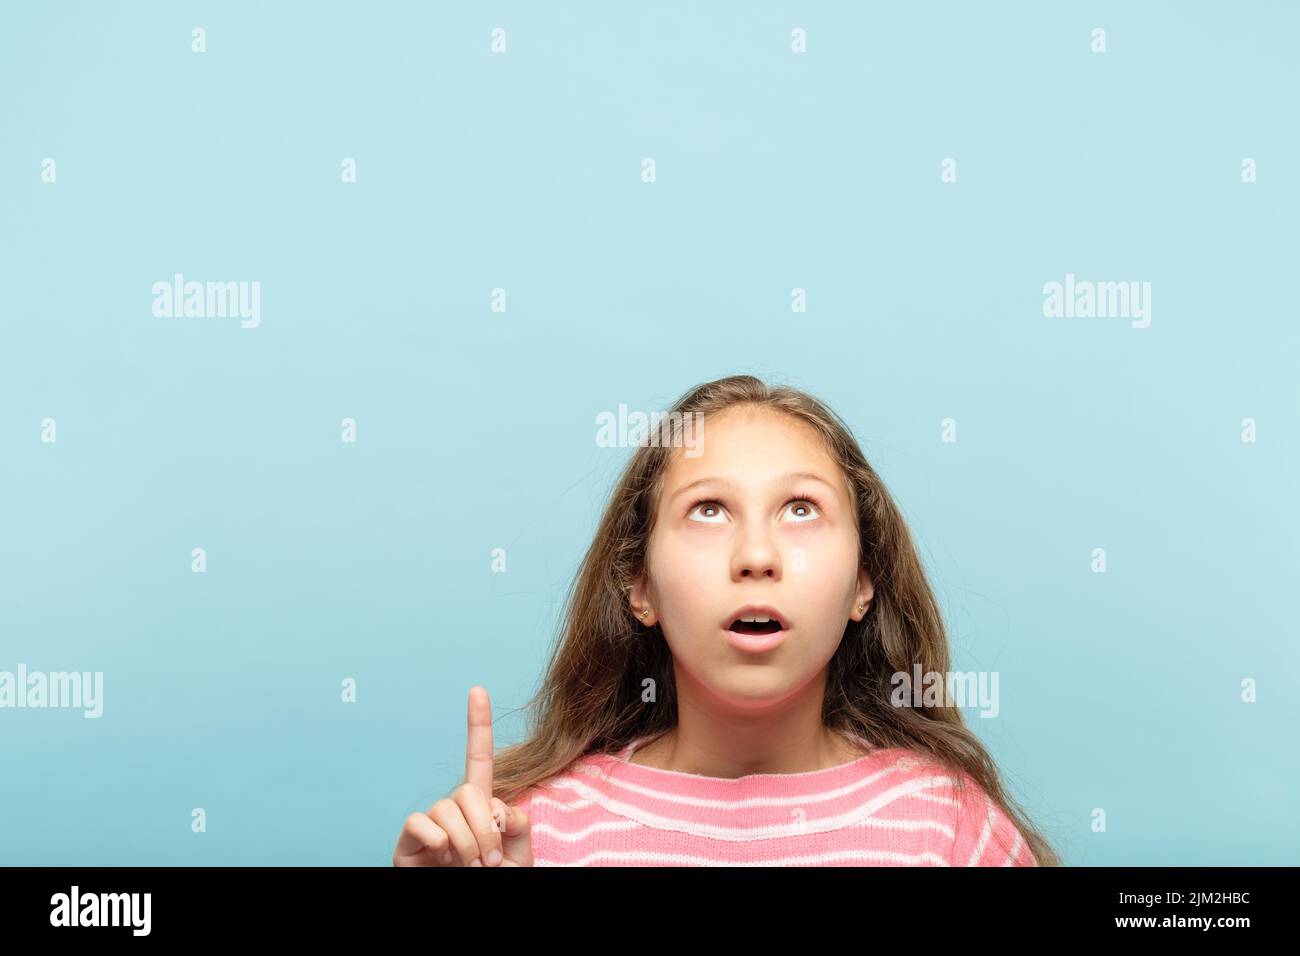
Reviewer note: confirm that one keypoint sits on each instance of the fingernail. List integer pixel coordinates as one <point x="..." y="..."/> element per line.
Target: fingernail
<point x="446" y="857"/>
<point x="494" y="857"/>
<point x="476" y="862"/>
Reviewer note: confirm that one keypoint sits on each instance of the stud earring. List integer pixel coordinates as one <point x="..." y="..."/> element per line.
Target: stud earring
<point x="862" y="607"/>
<point x="644" y="613"/>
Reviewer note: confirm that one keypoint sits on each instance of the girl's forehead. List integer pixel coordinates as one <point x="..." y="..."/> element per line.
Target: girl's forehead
<point x="748" y="434"/>
<point x="748" y="447"/>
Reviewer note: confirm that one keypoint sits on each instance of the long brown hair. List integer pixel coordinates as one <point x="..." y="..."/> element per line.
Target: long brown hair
<point x="590" y="700"/>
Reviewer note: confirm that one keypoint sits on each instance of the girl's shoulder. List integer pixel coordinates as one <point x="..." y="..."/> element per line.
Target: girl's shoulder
<point x="563" y="787"/>
<point x="979" y="831"/>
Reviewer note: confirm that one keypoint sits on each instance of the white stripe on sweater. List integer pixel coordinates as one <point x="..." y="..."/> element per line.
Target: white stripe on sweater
<point x="1015" y="850"/>
<point x="647" y="858"/>
<point x="936" y="798"/>
<point x="985" y="832"/>
<point x="560" y="804"/>
<point x="572" y="836"/>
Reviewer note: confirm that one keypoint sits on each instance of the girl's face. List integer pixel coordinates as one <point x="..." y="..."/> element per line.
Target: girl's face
<point x="762" y="517"/>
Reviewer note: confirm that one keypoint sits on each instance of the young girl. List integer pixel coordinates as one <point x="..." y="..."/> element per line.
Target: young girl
<point x="724" y="690"/>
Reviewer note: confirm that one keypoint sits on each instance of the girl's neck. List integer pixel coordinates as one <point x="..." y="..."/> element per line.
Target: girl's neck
<point x="669" y="751"/>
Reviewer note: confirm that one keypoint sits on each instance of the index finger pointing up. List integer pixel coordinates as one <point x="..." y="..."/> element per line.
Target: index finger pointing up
<point x="478" y="740"/>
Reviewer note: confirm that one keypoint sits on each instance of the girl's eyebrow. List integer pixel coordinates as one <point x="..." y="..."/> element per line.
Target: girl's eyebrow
<point x="780" y="479"/>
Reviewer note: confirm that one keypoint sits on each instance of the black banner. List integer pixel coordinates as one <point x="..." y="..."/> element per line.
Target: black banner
<point x="331" y="905"/>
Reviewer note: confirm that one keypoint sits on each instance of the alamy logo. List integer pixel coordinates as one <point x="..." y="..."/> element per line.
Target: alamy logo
<point x="1098" y="300"/>
<point x="946" y="689"/>
<point x="102" y="909"/>
<point x="208" y="300"/>
<point x="657" y="429"/>
<point x="56" y="689"/>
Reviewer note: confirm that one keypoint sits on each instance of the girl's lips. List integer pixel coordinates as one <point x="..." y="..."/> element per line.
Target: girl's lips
<point x="755" y="643"/>
<point x="757" y="610"/>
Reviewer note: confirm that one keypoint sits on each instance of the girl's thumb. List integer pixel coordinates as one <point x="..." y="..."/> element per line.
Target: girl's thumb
<point x="516" y="832"/>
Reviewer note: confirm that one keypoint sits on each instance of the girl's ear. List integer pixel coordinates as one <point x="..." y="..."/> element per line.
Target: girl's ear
<point x="638" y="598"/>
<point x="865" y="593"/>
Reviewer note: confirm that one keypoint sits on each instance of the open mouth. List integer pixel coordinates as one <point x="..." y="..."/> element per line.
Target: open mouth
<point x="769" y="626"/>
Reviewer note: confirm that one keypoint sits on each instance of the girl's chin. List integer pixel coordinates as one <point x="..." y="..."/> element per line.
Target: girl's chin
<point x="746" y="686"/>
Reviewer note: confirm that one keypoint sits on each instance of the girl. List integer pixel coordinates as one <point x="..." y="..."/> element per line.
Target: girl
<point x="724" y="691"/>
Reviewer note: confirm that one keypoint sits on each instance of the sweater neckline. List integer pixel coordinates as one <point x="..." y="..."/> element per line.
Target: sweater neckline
<point x="624" y="757"/>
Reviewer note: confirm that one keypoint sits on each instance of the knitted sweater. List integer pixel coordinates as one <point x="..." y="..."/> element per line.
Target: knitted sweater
<point x="890" y="807"/>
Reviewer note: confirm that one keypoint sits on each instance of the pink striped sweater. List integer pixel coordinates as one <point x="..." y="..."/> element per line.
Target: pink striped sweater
<point x="889" y="807"/>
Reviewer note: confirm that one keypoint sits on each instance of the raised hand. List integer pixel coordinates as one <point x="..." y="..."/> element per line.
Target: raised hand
<point x="469" y="826"/>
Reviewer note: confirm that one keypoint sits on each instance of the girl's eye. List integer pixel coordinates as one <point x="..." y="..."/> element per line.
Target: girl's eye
<point x="705" y="505"/>
<point x="809" y="508"/>
<point x="806" y="506"/>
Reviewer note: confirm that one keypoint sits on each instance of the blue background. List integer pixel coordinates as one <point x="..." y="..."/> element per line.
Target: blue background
<point x="476" y="429"/>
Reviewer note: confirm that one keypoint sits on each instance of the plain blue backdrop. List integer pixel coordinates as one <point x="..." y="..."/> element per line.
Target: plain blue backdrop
<point x="521" y="170"/>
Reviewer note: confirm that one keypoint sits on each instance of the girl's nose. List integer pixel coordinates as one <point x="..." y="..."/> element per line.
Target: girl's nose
<point x="756" y="556"/>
